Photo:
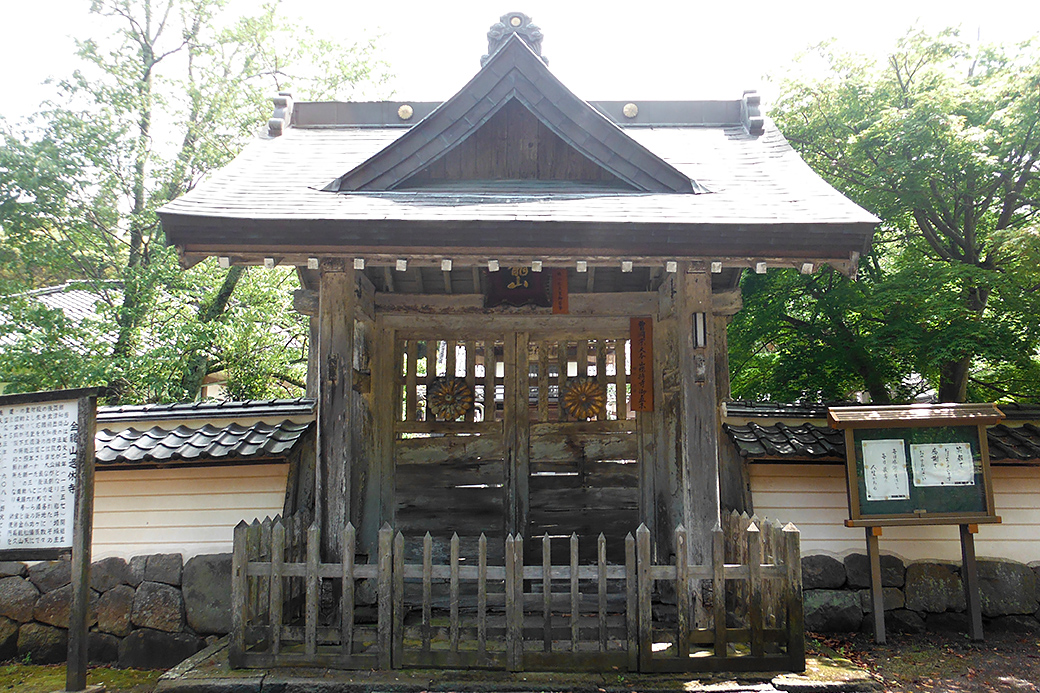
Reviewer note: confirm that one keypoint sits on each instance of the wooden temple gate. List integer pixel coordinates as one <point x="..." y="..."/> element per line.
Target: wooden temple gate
<point x="417" y="604"/>
<point x="503" y="426"/>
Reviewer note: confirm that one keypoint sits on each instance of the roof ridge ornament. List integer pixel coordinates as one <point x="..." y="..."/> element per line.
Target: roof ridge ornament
<point x="282" y="118"/>
<point x="751" y="112"/>
<point x="514" y="23"/>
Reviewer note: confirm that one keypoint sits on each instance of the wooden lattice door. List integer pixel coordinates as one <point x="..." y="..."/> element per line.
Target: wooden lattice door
<point x="584" y="474"/>
<point x="450" y="446"/>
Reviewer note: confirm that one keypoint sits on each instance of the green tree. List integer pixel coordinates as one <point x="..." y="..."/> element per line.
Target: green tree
<point x="942" y="142"/>
<point x="173" y="92"/>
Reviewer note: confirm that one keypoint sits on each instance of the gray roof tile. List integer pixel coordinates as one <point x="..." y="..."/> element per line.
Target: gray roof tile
<point x="184" y="444"/>
<point x="808" y="442"/>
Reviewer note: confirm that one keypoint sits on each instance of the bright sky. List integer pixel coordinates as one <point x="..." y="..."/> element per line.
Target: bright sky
<point x="604" y="50"/>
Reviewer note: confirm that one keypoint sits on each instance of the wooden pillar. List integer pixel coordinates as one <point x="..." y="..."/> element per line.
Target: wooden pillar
<point x="734" y="488"/>
<point x="699" y="422"/>
<point x="667" y="504"/>
<point x="337" y="301"/>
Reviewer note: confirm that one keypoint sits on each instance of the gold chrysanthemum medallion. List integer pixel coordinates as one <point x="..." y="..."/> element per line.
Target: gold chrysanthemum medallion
<point x="450" y="398"/>
<point x="584" y="398"/>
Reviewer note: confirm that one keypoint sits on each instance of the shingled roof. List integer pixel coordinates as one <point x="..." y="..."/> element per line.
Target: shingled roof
<point x="343" y="177"/>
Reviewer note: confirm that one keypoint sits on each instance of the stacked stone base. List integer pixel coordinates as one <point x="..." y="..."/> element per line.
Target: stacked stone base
<point x="922" y="596"/>
<point x="151" y="612"/>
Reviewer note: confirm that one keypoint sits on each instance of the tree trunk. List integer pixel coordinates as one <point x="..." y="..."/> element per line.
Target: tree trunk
<point x="197" y="368"/>
<point x="953" y="380"/>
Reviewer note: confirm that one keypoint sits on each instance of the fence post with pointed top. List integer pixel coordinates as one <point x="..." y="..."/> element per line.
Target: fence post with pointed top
<point x="631" y="602"/>
<point x="313" y="590"/>
<point x="277" y="568"/>
<point x="346" y="618"/>
<point x="385" y="596"/>
<point x="682" y="594"/>
<point x="238" y="595"/>
<point x="718" y="589"/>
<point x="397" y="657"/>
<point x="754" y="543"/>
<point x="795" y="608"/>
<point x="644" y="607"/>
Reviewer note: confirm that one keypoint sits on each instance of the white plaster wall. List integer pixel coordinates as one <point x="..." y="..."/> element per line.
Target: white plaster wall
<point x="181" y="510"/>
<point x="813" y="497"/>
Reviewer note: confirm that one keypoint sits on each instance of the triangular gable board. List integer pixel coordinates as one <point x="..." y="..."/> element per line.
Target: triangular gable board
<point x="513" y="83"/>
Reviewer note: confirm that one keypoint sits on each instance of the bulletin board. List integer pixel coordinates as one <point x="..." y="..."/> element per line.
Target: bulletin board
<point x="914" y="465"/>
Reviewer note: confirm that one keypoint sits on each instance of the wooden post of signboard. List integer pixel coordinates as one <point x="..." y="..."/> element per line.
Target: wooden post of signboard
<point x="970" y="570"/>
<point x="877" y="593"/>
<point x="76" y="670"/>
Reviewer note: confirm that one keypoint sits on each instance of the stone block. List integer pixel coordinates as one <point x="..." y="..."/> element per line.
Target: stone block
<point x="820" y="572"/>
<point x="18" y="598"/>
<point x="137" y="565"/>
<point x="857" y="569"/>
<point x="8" y="639"/>
<point x="114" y="609"/>
<point x="933" y="588"/>
<point x="904" y="621"/>
<point x="891" y="596"/>
<point x="53" y="607"/>
<point x="152" y="649"/>
<point x="39" y="643"/>
<point x="1007" y="587"/>
<point x="102" y="648"/>
<point x="13" y="568"/>
<point x="158" y="606"/>
<point x="948" y="622"/>
<point x="109" y="572"/>
<point x="50" y="575"/>
<point x="832" y="611"/>
<point x="1015" y="623"/>
<point x="165" y="568"/>
<point x="207" y="593"/>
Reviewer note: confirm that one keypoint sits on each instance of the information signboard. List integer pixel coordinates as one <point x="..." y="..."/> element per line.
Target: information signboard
<point x="38" y="445"/>
<point x="47" y="495"/>
<point x="907" y="468"/>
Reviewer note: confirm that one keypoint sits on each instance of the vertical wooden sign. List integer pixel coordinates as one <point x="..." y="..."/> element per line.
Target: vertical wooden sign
<point x="641" y="342"/>
<point x="47" y="495"/>
<point x="560" y="296"/>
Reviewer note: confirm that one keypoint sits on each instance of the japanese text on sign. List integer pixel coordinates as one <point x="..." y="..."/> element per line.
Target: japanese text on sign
<point x="641" y="342"/>
<point x="942" y="464"/>
<point x="38" y="444"/>
<point x="884" y="470"/>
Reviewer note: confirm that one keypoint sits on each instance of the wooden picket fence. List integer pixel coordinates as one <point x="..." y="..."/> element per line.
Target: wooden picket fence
<point x="742" y="611"/>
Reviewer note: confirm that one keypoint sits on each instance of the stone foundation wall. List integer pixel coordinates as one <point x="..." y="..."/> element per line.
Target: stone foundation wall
<point x="920" y="596"/>
<point x="151" y="612"/>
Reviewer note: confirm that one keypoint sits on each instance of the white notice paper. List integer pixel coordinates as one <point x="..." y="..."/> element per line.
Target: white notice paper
<point x="884" y="470"/>
<point x="38" y="474"/>
<point x="942" y="464"/>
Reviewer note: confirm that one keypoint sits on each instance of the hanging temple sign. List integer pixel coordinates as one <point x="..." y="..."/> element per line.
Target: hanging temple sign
<point x="514" y="23"/>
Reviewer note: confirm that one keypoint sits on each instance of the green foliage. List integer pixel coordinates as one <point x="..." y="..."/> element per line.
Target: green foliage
<point x="942" y="142"/>
<point x="173" y="91"/>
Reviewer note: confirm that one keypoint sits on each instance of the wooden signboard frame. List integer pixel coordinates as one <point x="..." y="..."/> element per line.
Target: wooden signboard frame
<point x="83" y="515"/>
<point x="896" y="437"/>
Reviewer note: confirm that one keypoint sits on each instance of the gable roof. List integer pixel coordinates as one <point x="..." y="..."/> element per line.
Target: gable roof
<point x="514" y="73"/>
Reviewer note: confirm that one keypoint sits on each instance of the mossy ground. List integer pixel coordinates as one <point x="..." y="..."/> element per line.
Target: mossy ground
<point x="44" y="678"/>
